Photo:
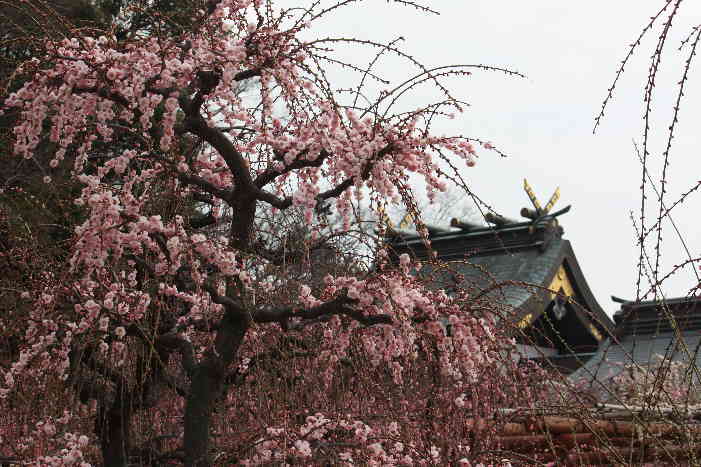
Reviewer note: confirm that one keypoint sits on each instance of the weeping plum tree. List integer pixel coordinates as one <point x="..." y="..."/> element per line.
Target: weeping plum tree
<point x="176" y="332"/>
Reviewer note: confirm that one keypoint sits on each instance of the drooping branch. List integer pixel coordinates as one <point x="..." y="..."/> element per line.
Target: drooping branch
<point x="337" y="306"/>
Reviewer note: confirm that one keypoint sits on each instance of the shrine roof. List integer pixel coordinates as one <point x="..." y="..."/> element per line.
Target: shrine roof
<point x="645" y="331"/>
<point x="509" y="263"/>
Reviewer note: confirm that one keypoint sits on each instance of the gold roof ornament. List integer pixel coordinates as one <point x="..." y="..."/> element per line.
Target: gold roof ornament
<point x="539" y="210"/>
<point x="406" y="221"/>
<point x="384" y="218"/>
<point x="531" y="195"/>
<point x="552" y="201"/>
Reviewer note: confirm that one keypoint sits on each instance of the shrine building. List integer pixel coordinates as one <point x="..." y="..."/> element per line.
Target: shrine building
<point x="647" y="332"/>
<point x="526" y="270"/>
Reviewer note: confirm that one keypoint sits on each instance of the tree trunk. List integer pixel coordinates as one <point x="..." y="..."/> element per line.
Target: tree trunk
<point x="198" y="413"/>
<point x="112" y="427"/>
<point x="208" y="381"/>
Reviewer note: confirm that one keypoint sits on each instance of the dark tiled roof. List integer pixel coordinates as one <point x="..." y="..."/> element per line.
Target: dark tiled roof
<point x="669" y="329"/>
<point x="510" y="264"/>
<point x="483" y="272"/>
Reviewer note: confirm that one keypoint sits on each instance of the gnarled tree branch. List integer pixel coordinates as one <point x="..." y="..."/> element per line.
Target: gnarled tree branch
<point x="173" y="340"/>
<point x="337" y="306"/>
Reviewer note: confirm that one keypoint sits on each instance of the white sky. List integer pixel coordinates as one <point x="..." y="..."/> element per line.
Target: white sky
<point x="570" y="52"/>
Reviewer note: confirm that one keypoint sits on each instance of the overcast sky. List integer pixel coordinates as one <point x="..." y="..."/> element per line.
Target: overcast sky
<point x="570" y="52"/>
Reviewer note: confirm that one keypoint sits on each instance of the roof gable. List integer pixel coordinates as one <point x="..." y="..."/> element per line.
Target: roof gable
<point x="515" y="264"/>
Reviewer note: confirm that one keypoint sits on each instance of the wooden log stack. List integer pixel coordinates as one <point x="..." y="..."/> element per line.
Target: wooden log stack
<point x="594" y="439"/>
